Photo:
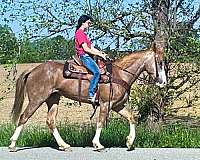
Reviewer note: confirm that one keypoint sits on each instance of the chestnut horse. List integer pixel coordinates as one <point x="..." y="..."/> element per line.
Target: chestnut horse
<point x="45" y="83"/>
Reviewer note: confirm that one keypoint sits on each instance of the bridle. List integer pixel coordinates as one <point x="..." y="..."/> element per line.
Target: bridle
<point x="156" y="79"/>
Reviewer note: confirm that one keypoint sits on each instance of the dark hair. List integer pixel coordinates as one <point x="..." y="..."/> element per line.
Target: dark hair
<point x="82" y="20"/>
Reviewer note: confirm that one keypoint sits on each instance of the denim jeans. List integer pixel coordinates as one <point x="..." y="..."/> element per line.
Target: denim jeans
<point x="91" y="65"/>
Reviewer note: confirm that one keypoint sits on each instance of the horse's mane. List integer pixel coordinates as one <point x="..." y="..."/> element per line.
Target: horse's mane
<point x="129" y="58"/>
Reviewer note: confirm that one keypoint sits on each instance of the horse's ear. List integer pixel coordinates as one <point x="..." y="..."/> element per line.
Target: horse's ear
<point x="158" y="49"/>
<point x="153" y="46"/>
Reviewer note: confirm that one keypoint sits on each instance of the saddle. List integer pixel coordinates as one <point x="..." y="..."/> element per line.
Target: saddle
<point x="74" y="69"/>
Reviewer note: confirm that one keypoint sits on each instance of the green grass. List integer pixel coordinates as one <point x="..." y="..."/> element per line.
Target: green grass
<point x="174" y="135"/>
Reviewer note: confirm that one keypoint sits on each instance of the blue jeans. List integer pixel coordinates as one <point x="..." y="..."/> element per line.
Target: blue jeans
<point x="91" y="65"/>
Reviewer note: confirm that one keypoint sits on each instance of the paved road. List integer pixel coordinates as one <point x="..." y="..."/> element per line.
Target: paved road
<point x="78" y="153"/>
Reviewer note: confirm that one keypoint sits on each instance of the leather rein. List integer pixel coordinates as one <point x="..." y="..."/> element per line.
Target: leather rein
<point x="143" y="79"/>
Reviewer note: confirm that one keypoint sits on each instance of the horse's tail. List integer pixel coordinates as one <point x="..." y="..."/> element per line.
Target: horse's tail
<point x="19" y="96"/>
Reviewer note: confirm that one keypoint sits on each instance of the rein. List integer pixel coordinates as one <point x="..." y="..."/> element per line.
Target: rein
<point x="142" y="79"/>
<point x="124" y="70"/>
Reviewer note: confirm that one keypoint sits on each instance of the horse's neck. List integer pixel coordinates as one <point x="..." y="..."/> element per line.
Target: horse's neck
<point x="132" y="71"/>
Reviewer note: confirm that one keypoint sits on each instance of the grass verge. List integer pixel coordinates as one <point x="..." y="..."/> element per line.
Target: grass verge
<point x="173" y="135"/>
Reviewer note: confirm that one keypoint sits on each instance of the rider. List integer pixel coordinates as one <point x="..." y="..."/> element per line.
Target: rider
<point x="84" y="49"/>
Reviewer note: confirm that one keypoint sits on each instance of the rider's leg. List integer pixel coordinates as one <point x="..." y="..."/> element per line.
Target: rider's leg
<point x="91" y="65"/>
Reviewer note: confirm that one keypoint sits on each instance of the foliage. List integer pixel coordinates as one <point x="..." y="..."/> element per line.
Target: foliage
<point x="118" y="24"/>
<point x="60" y="49"/>
<point x="146" y="100"/>
<point x="56" y="48"/>
<point x="8" y="45"/>
<point x="186" y="48"/>
<point x="28" y="54"/>
<point x="184" y="72"/>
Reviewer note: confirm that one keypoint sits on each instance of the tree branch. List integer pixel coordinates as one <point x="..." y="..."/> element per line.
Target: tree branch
<point x="194" y="18"/>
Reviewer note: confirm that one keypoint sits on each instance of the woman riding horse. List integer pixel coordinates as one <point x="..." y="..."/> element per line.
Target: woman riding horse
<point x="84" y="49"/>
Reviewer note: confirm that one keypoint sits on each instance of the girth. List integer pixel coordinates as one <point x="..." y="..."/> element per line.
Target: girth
<point x="122" y="83"/>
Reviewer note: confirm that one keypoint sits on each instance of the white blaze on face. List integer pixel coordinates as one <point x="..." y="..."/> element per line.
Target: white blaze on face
<point x="161" y="75"/>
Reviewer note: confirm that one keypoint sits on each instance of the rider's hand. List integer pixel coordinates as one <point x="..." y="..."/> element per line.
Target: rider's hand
<point x="104" y="55"/>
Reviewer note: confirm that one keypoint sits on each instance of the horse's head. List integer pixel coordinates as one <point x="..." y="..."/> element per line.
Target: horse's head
<point x="155" y="66"/>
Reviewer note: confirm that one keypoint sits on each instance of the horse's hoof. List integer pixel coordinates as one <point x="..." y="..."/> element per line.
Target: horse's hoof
<point x="131" y="148"/>
<point x="130" y="143"/>
<point x="99" y="148"/>
<point x="66" y="149"/>
<point x="12" y="149"/>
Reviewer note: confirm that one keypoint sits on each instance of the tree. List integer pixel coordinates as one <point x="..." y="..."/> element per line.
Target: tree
<point x="8" y="53"/>
<point x="55" y="48"/>
<point x="29" y="53"/>
<point x="60" y="48"/>
<point x="8" y="45"/>
<point x="169" y="30"/>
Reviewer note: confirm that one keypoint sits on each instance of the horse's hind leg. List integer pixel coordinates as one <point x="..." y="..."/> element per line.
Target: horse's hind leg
<point x="52" y="103"/>
<point x="12" y="146"/>
<point x="28" y="112"/>
<point x="126" y="114"/>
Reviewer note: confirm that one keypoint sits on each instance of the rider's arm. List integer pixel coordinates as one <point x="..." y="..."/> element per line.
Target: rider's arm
<point x="93" y="50"/>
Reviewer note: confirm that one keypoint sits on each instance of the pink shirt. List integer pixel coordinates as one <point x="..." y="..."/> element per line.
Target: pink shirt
<point x="80" y="38"/>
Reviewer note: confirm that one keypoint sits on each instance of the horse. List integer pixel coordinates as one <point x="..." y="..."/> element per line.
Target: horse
<point x="45" y="84"/>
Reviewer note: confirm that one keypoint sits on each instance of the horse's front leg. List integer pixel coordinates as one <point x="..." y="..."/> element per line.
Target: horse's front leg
<point x="100" y="124"/>
<point x="131" y="137"/>
<point x="127" y="115"/>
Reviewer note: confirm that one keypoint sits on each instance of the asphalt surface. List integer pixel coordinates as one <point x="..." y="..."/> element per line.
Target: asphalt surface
<point x="78" y="153"/>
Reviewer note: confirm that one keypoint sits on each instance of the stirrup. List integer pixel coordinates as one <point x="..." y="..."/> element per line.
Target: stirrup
<point x="93" y="99"/>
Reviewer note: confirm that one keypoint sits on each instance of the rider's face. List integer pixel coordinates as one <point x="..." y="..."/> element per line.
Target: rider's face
<point x="87" y="23"/>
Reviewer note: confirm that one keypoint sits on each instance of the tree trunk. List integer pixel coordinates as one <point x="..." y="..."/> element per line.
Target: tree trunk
<point x="160" y="18"/>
